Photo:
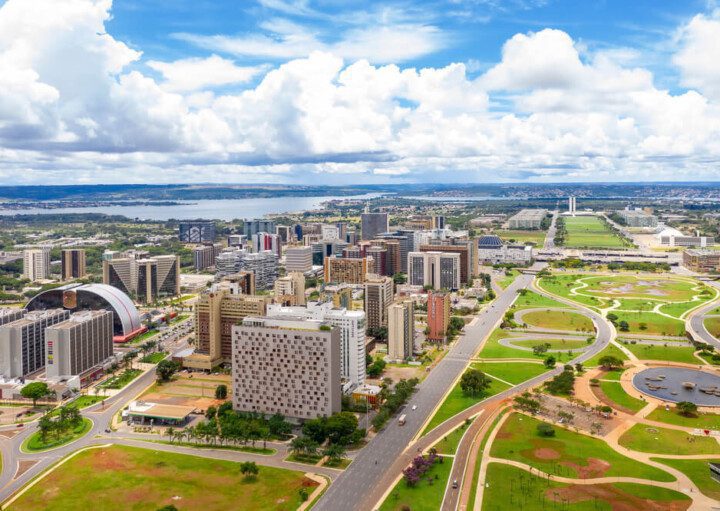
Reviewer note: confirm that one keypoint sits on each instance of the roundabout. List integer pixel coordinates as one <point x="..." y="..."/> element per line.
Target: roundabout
<point x="676" y="384"/>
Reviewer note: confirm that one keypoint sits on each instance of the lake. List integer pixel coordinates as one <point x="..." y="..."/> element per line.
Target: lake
<point x="221" y="209"/>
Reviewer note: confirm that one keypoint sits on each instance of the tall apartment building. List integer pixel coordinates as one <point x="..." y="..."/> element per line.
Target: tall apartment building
<point x="263" y="241"/>
<point x="198" y="231"/>
<point x="242" y="283"/>
<point x="203" y="257"/>
<point x="406" y="241"/>
<point x="286" y="366"/>
<point x="36" y="263"/>
<point x="298" y="259"/>
<point x="435" y="269"/>
<point x="527" y="219"/>
<point x="373" y="224"/>
<point x="144" y="279"/>
<point x="438" y="316"/>
<point x="379" y="258"/>
<point x="215" y="314"/>
<point x="79" y="344"/>
<point x="340" y="295"/>
<point x="251" y="227"/>
<point x="73" y="264"/>
<point x="401" y="330"/>
<point x="286" y="233"/>
<point x="466" y="249"/>
<point x="262" y="264"/>
<point x="378" y="296"/>
<point x="290" y="289"/>
<point x="339" y="270"/>
<point x="352" y="334"/>
<point x="438" y="222"/>
<point x="22" y="342"/>
<point x="702" y="260"/>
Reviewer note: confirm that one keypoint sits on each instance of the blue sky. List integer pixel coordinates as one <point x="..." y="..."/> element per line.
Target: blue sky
<point x="307" y="90"/>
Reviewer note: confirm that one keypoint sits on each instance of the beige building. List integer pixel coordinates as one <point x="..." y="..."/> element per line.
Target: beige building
<point x="290" y="289"/>
<point x="378" y="296"/>
<point x="73" y="264"/>
<point x="401" y="330"/>
<point x="215" y="314"/>
<point x="286" y="366"/>
<point x="144" y="279"/>
<point x="298" y="259"/>
<point x="346" y="270"/>
<point x="702" y="260"/>
<point x="36" y="263"/>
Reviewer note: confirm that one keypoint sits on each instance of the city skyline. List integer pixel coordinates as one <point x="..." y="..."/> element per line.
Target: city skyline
<point x="297" y="92"/>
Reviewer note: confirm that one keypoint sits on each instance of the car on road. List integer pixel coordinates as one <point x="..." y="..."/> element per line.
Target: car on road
<point x="455" y="484"/>
<point x="414" y="407"/>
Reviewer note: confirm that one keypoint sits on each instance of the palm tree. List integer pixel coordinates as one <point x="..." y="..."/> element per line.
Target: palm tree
<point x="170" y="432"/>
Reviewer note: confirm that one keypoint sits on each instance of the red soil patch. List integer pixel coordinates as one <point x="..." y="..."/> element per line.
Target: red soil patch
<point x="595" y="468"/>
<point x="618" y="499"/>
<point x="100" y="459"/>
<point x="545" y="453"/>
<point x="24" y="466"/>
<point x="503" y="435"/>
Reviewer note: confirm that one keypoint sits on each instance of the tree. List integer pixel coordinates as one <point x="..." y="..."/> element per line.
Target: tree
<point x="165" y="370"/>
<point x="550" y="362"/>
<point x="36" y="390"/>
<point x="334" y="452"/>
<point x="221" y="392"/>
<point x="169" y="507"/>
<point x="340" y="427"/>
<point x="545" y="429"/>
<point x="399" y="278"/>
<point x="474" y="381"/>
<point x="249" y="469"/>
<point x="539" y="349"/>
<point x="624" y="326"/>
<point x="279" y="426"/>
<point x="609" y="362"/>
<point x="686" y="408"/>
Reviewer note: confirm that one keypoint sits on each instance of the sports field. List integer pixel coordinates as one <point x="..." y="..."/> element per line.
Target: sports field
<point x="591" y="232"/>
<point x="122" y="478"/>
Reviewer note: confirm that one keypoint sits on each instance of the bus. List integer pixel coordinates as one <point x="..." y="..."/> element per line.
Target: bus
<point x="401" y="420"/>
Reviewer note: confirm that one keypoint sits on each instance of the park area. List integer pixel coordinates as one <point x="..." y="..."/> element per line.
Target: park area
<point x="519" y="237"/>
<point x="122" y="478"/>
<point x="592" y="232"/>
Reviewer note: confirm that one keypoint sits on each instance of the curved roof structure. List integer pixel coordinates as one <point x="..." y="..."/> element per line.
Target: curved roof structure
<point x="490" y="241"/>
<point x="78" y="297"/>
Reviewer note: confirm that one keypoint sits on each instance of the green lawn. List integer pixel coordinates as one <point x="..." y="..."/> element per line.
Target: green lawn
<point x="513" y="372"/>
<point x="661" y="352"/>
<point x="615" y="375"/>
<point x="678" y="309"/>
<point x="561" y="284"/>
<point x="591" y="232"/>
<point x="457" y="401"/>
<point x="425" y="496"/>
<point x="650" y="323"/>
<point x="698" y="472"/>
<point x="513" y="488"/>
<point x="154" y="358"/>
<point x="122" y="478"/>
<point x="121" y="380"/>
<point x="641" y="287"/>
<point x="449" y="443"/>
<point x="567" y="454"/>
<point x="611" y="350"/>
<point x="713" y="326"/>
<point x="34" y="443"/>
<point x="702" y="421"/>
<point x="559" y="320"/>
<point x="524" y="237"/>
<point x="644" y="438"/>
<point x="616" y="394"/>
<point x="532" y="300"/>
<point x="493" y="349"/>
<point x="555" y="344"/>
<point x="508" y="279"/>
<point x="87" y="400"/>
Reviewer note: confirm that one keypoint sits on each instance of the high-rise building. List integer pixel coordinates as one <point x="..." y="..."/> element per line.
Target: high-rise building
<point x="298" y="259"/>
<point x="10" y="315"/>
<point x="352" y="334"/>
<point x="406" y="241"/>
<point x="236" y="240"/>
<point x="73" y="264"/>
<point x="145" y="280"/>
<point x="36" y="263"/>
<point x="401" y="330"/>
<point x="78" y="345"/>
<point x="251" y="227"/>
<point x="22" y="342"/>
<point x="263" y="241"/>
<point x="286" y="233"/>
<point x="290" y="289"/>
<point x="379" y="257"/>
<point x="378" y="296"/>
<point x="330" y="232"/>
<point x="203" y="257"/>
<point x="373" y="224"/>
<point x="215" y="314"/>
<point x="466" y="249"/>
<point x="341" y="295"/>
<point x="286" y="366"/>
<point x="263" y="264"/>
<point x="340" y="270"/>
<point x="435" y="269"/>
<point x="242" y="283"/>
<point x="438" y="222"/>
<point x="438" y="316"/>
<point x="198" y="231"/>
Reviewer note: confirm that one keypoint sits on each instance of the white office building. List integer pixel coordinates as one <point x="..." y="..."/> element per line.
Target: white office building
<point x="36" y="263"/>
<point x="440" y="270"/>
<point x="298" y="259"/>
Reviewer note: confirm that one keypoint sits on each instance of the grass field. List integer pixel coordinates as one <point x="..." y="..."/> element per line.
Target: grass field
<point x="426" y="495"/>
<point x="561" y="285"/>
<point x="34" y="443"/>
<point x="508" y="279"/>
<point x="567" y="454"/>
<point x="702" y="421"/>
<point x="640" y="287"/>
<point x="660" y="352"/>
<point x="698" y="472"/>
<point x="615" y="393"/>
<point x="457" y="401"/>
<point x="154" y="358"/>
<point x="531" y="300"/>
<point x="614" y="375"/>
<point x="611" y="350"/>
<point x="650" y="323"/>
<point x="493" y="349"/>
<point x="513" y="488"/>
<point x="591" y="232"/>
<point x="120" y="380"/>
<point x="713" y="326"/>
<point x="559" y="320"/>
<point x="524" y="237"/>
<point x="449" y="443"/>
<point x="513" y="372"/>
<point x="122" y="478"/>
<point x="645" y="438"/>
<point x="555" y="344"/>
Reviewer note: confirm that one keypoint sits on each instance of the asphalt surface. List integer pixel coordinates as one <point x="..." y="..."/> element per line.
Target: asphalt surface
<point x="696" y="324"/>
<point x="371" y="469"/>
<point x="550" y="236"/>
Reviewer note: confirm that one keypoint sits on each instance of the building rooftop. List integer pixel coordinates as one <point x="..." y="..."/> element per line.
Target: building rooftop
<point x="80" y="317"/>
<point x="490" y="241"/>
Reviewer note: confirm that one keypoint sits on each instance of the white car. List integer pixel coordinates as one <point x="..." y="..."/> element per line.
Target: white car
<point x="414" y="407"/>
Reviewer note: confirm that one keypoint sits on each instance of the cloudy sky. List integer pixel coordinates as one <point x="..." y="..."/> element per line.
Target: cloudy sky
<point x="336" y="92"/>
